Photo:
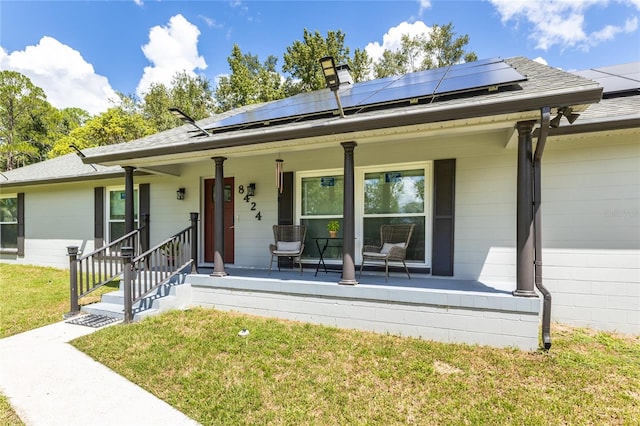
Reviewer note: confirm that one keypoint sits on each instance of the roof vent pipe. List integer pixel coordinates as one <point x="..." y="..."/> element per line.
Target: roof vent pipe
<point x="344" y="74"/>
<point x="545" y="115"/>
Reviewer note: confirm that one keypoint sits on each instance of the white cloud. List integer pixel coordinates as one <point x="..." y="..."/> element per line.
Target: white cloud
<point x="66" y="78"/>
<point x="562" y="23"/>
<point x="138" y="2"/>
<point x="391" y="40"/>
<point x="541" y="60"/>
<point x="171" y="49"/>
<point x="426" y="4"/>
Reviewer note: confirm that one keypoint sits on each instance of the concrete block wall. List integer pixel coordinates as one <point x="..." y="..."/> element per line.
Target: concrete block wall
<point x="499" y="320"/>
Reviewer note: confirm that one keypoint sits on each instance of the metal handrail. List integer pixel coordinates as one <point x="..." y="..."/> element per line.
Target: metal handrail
<point x="148" y="271"/>
<point x="97" y="268"/>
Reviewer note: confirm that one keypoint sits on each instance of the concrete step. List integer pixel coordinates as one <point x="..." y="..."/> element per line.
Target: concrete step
<point x="172" y="295"/>
<point x="111" y="310"/>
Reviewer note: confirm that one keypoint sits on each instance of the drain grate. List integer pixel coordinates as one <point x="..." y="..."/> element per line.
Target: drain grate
<point x="92" y="320"/>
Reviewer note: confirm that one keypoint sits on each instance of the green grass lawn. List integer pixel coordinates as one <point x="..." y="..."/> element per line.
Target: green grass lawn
<point x="32" y="297"/>
<point x="291" y="373"/>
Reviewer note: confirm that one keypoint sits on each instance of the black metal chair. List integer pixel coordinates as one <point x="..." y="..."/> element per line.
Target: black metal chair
<point x="394" y="240"/>
<point x="288" y="242"/>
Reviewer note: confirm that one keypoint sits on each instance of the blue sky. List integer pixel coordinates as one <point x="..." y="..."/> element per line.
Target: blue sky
<point x="80" y="52"/>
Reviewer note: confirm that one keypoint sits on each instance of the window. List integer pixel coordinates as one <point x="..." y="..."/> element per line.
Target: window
<point x="321" y="202"/>
<point x="115" y="213"/>
<point x="9" y="223"/>
<point x="396" y="195"/>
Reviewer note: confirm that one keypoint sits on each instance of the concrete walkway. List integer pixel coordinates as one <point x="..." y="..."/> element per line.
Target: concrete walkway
<point x="49" y="382"/>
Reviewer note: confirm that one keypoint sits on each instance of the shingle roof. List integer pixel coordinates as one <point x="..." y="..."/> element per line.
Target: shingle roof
<point x="64" y="168"/>
<point x="543" y="85"/>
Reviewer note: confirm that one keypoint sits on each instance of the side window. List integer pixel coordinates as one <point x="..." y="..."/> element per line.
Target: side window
<point x="115" y="212"/>
<point x="9" y="223"/>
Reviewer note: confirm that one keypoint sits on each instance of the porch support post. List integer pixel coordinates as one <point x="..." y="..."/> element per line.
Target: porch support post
<point x="72" y="252"/>
<point x="128" y="199"/>
<point x="348" y="227"/>
<point x="194" y="242"/>
<point x="524" y="219"/>
<point x="218" y="241"/>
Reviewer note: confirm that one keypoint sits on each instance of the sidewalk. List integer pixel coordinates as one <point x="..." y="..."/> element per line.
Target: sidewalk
<point x="49" y="382"/>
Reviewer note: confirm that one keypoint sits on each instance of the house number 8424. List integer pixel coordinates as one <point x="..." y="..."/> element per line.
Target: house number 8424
<point x="247" y="198"/>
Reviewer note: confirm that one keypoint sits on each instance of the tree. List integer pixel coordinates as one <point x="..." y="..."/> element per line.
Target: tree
<point x="422" y="52"/>
<point x="360" y="65"/>
<point x="250" y="81"/>
<point x="23" y="121"/>
<point x="118" y="124"/>
<point x="301" y="59"/>
<point x="191" y="94"/>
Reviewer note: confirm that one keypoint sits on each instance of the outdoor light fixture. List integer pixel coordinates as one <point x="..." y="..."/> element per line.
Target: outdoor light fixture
<point x="330" y="73"/>
<point x="566" y="112"/>
<point x="185" y="118"/>
<point x="180" y="193"/>
<point x="251" y="190"/>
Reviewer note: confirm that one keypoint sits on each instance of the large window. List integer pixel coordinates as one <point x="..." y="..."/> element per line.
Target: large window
<point x="115" y="213"/>
<point x="396" y="195"/>
<point x="9" y="223"/>
<point x="321" y="202"/>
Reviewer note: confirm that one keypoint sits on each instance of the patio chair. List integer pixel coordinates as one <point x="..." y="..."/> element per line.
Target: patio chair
<point x="289" y="242"/>
<point x="394" y="240"/>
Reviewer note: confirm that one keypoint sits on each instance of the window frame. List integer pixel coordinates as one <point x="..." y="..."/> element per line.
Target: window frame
<point x="12" y="250"/>
<point x="107" y="209"/>
<point x="359" y="179"/>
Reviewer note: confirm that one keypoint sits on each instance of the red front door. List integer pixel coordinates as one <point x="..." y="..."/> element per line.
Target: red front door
<point x="209" y="220"/>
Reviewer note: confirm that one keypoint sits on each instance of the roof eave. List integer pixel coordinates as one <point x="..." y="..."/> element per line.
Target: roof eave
<point x="587" y="95"/>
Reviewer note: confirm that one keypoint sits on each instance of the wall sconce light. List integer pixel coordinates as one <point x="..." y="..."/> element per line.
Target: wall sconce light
<point x="180" y="193"/>
<point x="251" y="189"/>
<point x="330" y="73"/>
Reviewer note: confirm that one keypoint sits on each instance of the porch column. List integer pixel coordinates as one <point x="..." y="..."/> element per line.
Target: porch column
<point x="349" y="227"/>
<point x="128" y="199"/>
<point x="218" y="241"/>
<point x="524" y="215"/>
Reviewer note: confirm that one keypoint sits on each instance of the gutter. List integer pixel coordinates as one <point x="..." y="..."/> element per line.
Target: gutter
<point x="537" y="225"/>
<point x="355" y="123"/>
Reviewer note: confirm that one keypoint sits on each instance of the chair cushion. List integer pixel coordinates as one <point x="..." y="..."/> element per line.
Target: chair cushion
<point x="386" y="247"/>
<point x="293" y="246"/>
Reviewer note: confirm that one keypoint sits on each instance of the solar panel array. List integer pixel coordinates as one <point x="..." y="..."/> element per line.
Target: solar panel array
<point x="616" y="78"/>
<point x="488" y="73"/>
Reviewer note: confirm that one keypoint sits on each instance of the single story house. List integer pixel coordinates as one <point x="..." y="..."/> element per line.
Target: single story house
<point x="518" y="177"/>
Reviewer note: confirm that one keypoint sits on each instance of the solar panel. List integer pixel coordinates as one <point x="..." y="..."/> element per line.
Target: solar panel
<point x="459" y="78"/>
<point x="615" y="78"/>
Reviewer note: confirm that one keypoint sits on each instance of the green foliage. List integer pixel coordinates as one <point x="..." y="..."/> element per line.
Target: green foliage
<point x="333" y="225"/>
<point x="301" y="59"/>
<point x="422" y="52"/>
<point x="250" y="81"/>
<point x="192" y="95"/>
<point x="24" y="115"/>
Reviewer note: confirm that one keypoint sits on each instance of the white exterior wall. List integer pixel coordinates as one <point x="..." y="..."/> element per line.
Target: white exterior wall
<point x="591" y="230"/>
<point x="591" y="219"/>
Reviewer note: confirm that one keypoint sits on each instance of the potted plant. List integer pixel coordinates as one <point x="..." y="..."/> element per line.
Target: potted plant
<point x="333" y="226"/>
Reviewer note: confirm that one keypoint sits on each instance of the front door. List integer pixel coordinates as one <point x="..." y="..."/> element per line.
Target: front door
<point x="209" y="220"/>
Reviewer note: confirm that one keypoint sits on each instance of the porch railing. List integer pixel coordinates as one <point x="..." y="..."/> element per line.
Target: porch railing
<point x="93" y="270"/>
<point x="155" y="267"/>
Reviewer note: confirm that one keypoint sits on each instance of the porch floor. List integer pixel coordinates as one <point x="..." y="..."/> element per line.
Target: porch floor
<point x="396" y="279"/>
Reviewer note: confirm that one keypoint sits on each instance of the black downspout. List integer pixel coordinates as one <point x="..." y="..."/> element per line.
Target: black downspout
<point x="537" y="224"/>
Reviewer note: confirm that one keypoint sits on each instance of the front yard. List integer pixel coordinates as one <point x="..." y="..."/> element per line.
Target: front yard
<point x="285" y="372"/>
